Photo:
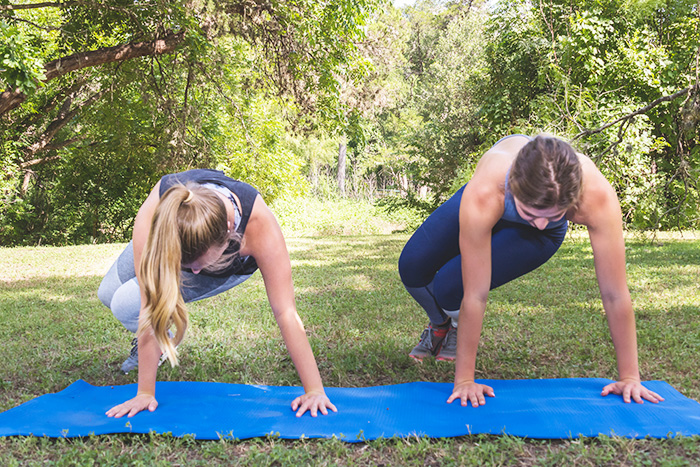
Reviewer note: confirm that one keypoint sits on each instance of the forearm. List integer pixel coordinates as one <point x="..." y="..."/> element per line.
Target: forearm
<point x="300" y="351"/>
<point x="149" y="354"/>
<point x="468" y="334"/>
<point x="620" y="316"/>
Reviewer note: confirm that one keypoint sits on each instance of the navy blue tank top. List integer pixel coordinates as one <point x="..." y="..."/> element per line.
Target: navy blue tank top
<point x="241" y="265"/>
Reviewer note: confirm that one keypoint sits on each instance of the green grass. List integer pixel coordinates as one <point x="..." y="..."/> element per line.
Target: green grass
<point x="314" y="217"/>
<point x="361" y="324"/>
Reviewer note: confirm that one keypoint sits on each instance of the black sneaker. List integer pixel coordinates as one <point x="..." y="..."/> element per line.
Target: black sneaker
<point x="430" y="341"/>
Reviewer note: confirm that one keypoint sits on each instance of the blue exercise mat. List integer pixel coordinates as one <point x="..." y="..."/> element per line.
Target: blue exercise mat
<point x="547" y="408"/>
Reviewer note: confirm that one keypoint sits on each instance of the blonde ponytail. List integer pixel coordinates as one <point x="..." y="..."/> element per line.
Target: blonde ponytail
<point x="187" y="222"/>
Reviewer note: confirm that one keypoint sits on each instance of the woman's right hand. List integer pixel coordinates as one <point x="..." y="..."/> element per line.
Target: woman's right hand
<point x="134" y="406"/>
<point x="471" y="391"/>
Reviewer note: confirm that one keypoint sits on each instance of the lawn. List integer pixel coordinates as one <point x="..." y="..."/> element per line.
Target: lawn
<point x="361" y="324"/>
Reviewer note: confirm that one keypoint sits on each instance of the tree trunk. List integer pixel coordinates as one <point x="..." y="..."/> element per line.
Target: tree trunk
<point x="314" y="176"/>
<point x="342" y="160"/>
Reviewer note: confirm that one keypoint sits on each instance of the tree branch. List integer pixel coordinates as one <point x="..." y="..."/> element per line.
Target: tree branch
<point x="119" y="53"/>
<point x="64" y="65"/>
<point x="11" y="99"/>
<point x="30" y="6"/>
<point x="14" y="18"/>
<point x="33" y="162"/>
<point x="65" y="116"/>
<point x="643" y="110"/>
<point x="233" y="103"/>
<point x="63" y="144"/>
<point x="41" y="160"/>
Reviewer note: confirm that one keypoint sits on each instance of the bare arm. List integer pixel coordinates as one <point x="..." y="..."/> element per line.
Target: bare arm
<point x="480" y="209"/>
<point x="606" y="235"/>
<point x="609" y="258"/>
<point x="264" y="241"/>
<point x="149" y="350"/>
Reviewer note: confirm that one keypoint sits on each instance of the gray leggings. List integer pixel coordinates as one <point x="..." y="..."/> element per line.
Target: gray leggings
<point x="120" y="292"/>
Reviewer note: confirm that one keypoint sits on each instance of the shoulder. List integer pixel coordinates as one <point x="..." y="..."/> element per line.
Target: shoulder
<point x="511" y="143"/>
<point x="491" y="170"/>
<point x="595" y="186"/>
<point x="144" y="217"/>
<point x="598" y="202"/>
<point x="262" y="228"/>
<point x="244" y="190"/>
<point x="484" y="195"/>
<point x="194" y="175"/>
<point x="498" y="159"/>
<point x="260" y="209"/>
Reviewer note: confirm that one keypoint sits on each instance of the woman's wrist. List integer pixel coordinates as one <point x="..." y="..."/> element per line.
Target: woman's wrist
<point x="630" y="379"/>
<point x="462" y="381"/>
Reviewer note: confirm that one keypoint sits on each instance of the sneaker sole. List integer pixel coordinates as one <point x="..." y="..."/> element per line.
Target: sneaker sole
<point x="126" y="372"/>
<point x="445" y="359"/>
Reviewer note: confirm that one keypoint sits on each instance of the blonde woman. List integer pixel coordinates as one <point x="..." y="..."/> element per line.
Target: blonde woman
<point x="508" y="220"/>
<point x="200" y="233"/>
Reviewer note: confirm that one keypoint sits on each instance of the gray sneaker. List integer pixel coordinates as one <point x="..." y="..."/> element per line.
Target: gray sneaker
<point x="132" y="361"/>
<point x="448" y="350"/>
<point x="429" y="344"/>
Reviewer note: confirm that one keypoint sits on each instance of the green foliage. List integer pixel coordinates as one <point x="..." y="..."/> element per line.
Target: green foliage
<point x="18" y="218"/>
<point x="317" y="153"/>
<point x="593" y="63"/>
<point x="472" y="74"/>
<point x="254" y="151"/>
<point x="92" y="143"/>
<point x="268" y="91"/>
<point x="21" y="67"/>
<point x="95" y="199"/>
<point x="431" y="130"/>
<point x="515" y="52"/>
<point x="311" y="216"/>
<point x="414" y="208"/>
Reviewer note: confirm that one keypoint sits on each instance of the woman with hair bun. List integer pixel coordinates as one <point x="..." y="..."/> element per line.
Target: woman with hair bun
<point x="200" y="233"/>
<point x="508" y="220"/>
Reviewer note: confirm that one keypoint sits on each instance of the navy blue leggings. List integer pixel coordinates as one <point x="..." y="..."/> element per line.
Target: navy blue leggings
<point x="430" y="264"/>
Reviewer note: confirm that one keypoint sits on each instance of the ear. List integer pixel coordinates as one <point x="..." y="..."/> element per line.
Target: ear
<point x="228" y="226"/>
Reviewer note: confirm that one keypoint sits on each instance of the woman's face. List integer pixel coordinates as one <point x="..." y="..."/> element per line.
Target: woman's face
<point x="539" y="218"/>
<point x="207" y="259"/>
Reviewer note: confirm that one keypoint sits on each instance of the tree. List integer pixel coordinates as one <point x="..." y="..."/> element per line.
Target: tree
<point x="447" y="65"/>
<point x="156" y="86"/>
<point x="625" y="61"/>
<point x="570" y="68"/>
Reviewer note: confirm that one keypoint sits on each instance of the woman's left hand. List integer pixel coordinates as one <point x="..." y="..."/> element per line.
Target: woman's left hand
<point x="313" y="402"/>
<point x="631" y="389"/>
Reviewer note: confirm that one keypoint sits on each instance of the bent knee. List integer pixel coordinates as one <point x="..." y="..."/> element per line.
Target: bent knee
<point x="127" y="313"/>
<point x="105" y="292"/>
<point x="412" y="269"/>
